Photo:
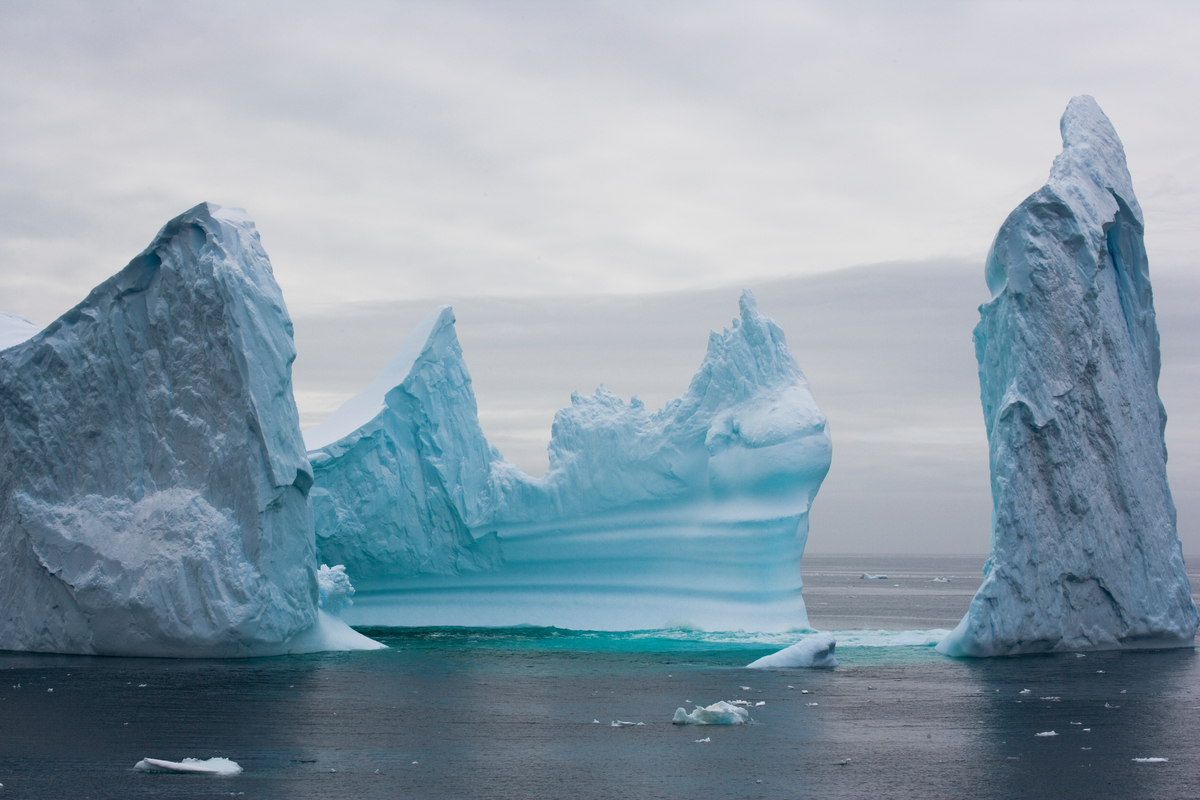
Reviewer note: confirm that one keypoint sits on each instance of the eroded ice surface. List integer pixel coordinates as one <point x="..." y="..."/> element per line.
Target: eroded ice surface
<point x="693" y="515"/>
<point x="153" y="480"/>
<point x="1084" y="548"/>
<point x="815" y="650"/>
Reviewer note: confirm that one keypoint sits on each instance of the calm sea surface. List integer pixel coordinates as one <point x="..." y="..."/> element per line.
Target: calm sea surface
<point x="529" y="712"/>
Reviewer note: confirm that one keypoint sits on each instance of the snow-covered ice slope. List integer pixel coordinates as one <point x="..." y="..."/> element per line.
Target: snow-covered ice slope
<point x="1084" y="549"/>
<point x="399" y="465"/>
<point x="153" y="479"/>
<point x="694" y="515"/>
<point x="15" y="329"/>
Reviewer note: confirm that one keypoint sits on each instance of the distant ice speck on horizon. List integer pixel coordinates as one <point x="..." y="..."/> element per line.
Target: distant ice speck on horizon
<point x="1085" y="553"/>
<point x="153" y="480"/>
<point x="814" y="650"/>
<point x="696" y="515"/>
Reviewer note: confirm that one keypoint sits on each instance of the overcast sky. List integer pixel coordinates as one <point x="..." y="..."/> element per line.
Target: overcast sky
<point x="493" y="153"/>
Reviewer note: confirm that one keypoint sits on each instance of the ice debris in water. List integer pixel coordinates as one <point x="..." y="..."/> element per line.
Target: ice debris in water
<point x="719" y="713"/>
<point x="620" y="723"/>
<point x="1046" y="733"/>
<point x="637" y="510"/>
<point x="1085" y="553"/>
<point x="866" y="576"/>
<point x="815" y="650"/>
<point x="153" y="480"/>
<point x="1151" y="760"/>
<point x="211" y="766"/>
<point x="705" y="740"/>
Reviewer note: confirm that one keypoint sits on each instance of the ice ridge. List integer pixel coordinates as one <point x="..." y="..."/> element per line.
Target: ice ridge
<point x="153" y="480"/>
<point x="696" y="514"/>
<point x="1085" y="553"/>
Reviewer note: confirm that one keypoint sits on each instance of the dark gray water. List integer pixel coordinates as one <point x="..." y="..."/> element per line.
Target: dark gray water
<point x="488" y="713"/>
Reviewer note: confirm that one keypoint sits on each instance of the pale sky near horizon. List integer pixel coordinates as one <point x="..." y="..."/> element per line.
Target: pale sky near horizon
<point x="413" y="153"/>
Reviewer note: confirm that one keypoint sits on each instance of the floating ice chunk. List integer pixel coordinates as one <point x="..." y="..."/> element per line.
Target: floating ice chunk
<point x="866" y="576"/>
<point x="1046" y="733"/>
<point x="815" y="650"/>
<point x="745" y="688"/>
<point x="620" y="723"/>
<point x="940" y="580"/>
<point x="1025" y="691"/>
<point x="705" y="740"/>
<point x="1051" y="699"/>
<point x="756" y="705"/>
<point x="1151" y="760"/>
<point x="595" y="722"/>
<point x="719" y="713"/>
<point x="1085" y="552"/>
<point x="211" y="766"/>
<point x="1108" y="705"/>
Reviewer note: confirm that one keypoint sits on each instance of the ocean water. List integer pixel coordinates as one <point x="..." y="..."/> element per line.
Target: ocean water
<point x="529" y="712"/>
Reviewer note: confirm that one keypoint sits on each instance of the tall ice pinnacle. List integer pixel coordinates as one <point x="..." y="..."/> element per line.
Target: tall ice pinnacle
<point x="153" y="480"/>
<point x="1085" y="553"/>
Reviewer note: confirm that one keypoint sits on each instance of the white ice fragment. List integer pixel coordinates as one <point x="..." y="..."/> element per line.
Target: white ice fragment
<point x="745" y="688"/>
<point x="756" y="705"/>
<point x="620" y="723"/>
<point x="811" y="704"/>
<point x="595" y="722"/>
<point x="866" y="576"/>
<point x="719" y="713"/>
<point x="1046" y="733"/>
<point x="705" y="740"/>
<point x="1076" y="723"/>
<point x="1025" y="691"/>
<point x="791" y="687"/>
<point x="1080" y="655"/>
<point x="1108" y="705"/>
<point x="1151" y="760"/>
<point x="1069" y="361"/>
<point x="1051" y="699"/>
<point x="211" y="766"/>
<point x="815" y="650"/>
<point x="940" y="580"/>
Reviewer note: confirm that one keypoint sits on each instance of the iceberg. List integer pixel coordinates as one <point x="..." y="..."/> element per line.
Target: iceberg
<point x="695" y="515"/>
<point x="15" y="329"/>
<point x="812" y="651"/>
<point x="153" y="480"/>
<point x="1085" y="553"/>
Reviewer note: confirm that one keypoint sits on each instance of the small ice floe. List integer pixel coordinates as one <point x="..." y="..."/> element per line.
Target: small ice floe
<point x="791" y="687"/>
<point x="1110" y="705"/>
<point x="1051" y="699"/>
<point x="705" y="740"/>
<point x="1046" y="733"/>
<point x="843" y="762"/>
<point x="866" y="576"/>
<point x="211" y="766"/>
<point x="1076" y="723"/>
<point x="620" y="723"/>
<point x="811" y="704"/>
<point x="595" y="722"/>
<point x="740" y="702"/>
<point x="745" y="688"/>
<point x="1151" y="760"/>
<point x="49" y="690"/>
<point x="760" y="703"/>
<point x="1087" y="730"/>
<point x="804" y="691"/>
<point x="1080" y="655"/>
<point x="940" y="580"/>
<point x="815" y="651"/>
<point x="719" y="713"/>
<point x="1025" y="691"/>
<point x="1085" y="748"/>
<point x="1099" y="672"/>
<point x="1123" y="691"/>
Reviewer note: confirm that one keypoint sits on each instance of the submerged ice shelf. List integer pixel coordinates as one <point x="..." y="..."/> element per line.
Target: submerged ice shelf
<point x="153" y="480"/>
<point x="1085" y="553"/>
<point x="694" y="515"/>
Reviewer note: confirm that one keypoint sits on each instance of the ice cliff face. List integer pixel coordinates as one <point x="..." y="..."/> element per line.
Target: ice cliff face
<point x="1084" y="549"/>
<point x="398" y="466"/>
<point x="153" y="480"/>
<point x="696" y="514"/>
